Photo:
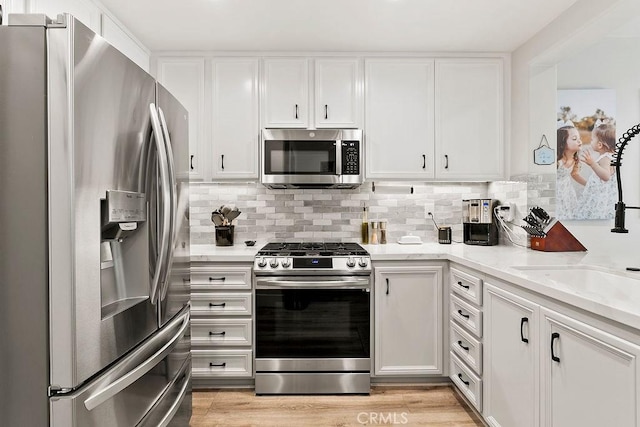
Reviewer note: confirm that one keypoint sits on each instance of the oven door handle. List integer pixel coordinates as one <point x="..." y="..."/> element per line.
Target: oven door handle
<point x="316" y="284"/>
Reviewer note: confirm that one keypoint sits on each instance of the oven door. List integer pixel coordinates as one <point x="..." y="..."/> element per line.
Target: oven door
<point x="313" y="318"/>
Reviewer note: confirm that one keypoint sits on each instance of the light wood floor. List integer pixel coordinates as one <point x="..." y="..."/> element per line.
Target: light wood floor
<point x="436" y="406"/>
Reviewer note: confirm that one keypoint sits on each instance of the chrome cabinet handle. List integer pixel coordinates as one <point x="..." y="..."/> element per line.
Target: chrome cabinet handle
<point x="522" y="322"/>
<point x="326" y="111"/>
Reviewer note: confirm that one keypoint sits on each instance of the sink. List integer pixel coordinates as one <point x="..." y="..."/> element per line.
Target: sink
<point x="586" y="280"/>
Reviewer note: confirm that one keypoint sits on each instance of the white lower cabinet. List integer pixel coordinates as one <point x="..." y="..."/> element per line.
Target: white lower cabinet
<point x="511" y="359"/>
<point x="408" y="319"/>
<point x="221" y="323"/>
<point x="589" y="377"/>
<point x="543" y="368"/>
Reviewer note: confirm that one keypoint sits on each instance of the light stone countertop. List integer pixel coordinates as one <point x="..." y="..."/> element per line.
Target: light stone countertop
<point x="617" y="300"/>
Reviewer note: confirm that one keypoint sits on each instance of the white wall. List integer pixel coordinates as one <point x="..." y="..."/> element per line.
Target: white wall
<point x="613" y="63"/>
<point x="570" y="53"/>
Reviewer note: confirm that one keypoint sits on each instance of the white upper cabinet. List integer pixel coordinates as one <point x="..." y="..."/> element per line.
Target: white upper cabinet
<point x="399" y="118"/>
<point x="235" y="119"/>
<point x="469" y="123"/>
<point x="119" y="38"/>
<point x="184" y="78"/>
<point x="337" y="93"/>
<point x="83" y="10"/>
<point x="11" y="6"/>
<point x="285" y="101"/>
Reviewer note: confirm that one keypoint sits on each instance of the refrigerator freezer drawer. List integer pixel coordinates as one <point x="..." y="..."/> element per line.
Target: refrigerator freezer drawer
<point x="148" y="387"/>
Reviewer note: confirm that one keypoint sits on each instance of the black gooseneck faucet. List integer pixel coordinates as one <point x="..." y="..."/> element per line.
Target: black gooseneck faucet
<point x="617" y="162"/>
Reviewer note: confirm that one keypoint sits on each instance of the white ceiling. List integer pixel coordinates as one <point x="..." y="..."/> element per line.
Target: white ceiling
<point x="336" y="25"/>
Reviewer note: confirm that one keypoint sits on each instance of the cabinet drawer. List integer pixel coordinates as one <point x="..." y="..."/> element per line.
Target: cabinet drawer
<point x="203" y="278"/>
<point x="225" y="332"/>
<point x="466" y="347"/>
<point x="467" y="315"/>
<point x="467" y="382"/>
<point x="222" y="363"/>
<point x="466" y="286"/>
<point x="221" y="304"/>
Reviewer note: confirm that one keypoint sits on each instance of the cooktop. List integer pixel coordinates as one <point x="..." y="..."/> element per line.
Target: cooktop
<point x="293" y="249"/>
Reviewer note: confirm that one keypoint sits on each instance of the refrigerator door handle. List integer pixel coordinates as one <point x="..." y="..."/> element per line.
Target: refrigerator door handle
<point x="166" y="207"/>
<point x="115" y="387"/>
<point x="174" y="205"/>
<point x="184" y="388"/>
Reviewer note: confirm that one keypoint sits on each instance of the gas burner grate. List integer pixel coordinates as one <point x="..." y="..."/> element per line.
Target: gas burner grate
<point x="293" y="249"/>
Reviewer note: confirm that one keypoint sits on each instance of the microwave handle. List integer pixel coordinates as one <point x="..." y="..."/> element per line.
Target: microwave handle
<point x="338" y="157"/>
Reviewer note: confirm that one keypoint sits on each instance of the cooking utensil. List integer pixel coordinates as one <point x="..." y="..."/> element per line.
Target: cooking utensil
<point x="233" y="214"/>
<point x="217" y="218"/>
<point x="224" y="210"/>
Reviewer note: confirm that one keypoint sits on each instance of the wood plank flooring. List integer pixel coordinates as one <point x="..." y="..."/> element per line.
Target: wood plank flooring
<point x="436" y="406"/>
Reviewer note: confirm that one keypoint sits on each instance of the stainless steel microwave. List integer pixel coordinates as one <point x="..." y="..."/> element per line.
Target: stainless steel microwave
<point x="320" y="158"/>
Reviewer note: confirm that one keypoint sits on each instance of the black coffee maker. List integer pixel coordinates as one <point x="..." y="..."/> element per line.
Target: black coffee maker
<point x="479" y="224"/>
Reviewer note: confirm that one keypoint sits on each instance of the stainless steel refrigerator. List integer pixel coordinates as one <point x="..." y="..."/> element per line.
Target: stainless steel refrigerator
<point x="94" y="237"/>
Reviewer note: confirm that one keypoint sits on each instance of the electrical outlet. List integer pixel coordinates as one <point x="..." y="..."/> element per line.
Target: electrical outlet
<point x="507" y="212"/>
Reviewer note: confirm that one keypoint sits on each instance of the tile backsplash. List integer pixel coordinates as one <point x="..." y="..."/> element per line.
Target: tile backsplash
<point x="337" y="214"/>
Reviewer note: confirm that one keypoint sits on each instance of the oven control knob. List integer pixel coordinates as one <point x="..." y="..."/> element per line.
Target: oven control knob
<point x="262" y="263"/>
<point x="286" y="263"/>
<point x="351" y="263"/>
<point x="274" y="263"/>
<point x="363" y="262"/>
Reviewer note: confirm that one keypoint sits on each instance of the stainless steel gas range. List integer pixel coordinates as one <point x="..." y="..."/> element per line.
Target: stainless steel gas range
<point x="313" y="318"/>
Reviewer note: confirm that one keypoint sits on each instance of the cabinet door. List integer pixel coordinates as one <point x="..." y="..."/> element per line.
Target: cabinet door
<point x="11" y="6"/>
<point x="235" y="121"/>
<point x="119" y="38"/>
<point x="469" y="124"/>
<point x="589" y="377"/>
<point x="83" y="10"/>
<point x="408" y="321"/>
<point x="399" y="118"/>
<point x="184" y="78"/>
<point x="286" y="93"/>
<point x="511" y="351"/>
<point x="337" y="95"/>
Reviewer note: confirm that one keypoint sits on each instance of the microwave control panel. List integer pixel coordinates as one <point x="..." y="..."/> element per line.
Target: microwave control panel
<point x="350" y="158"/>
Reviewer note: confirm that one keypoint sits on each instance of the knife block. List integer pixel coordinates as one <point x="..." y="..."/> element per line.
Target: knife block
<point x="557" y="239"/>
